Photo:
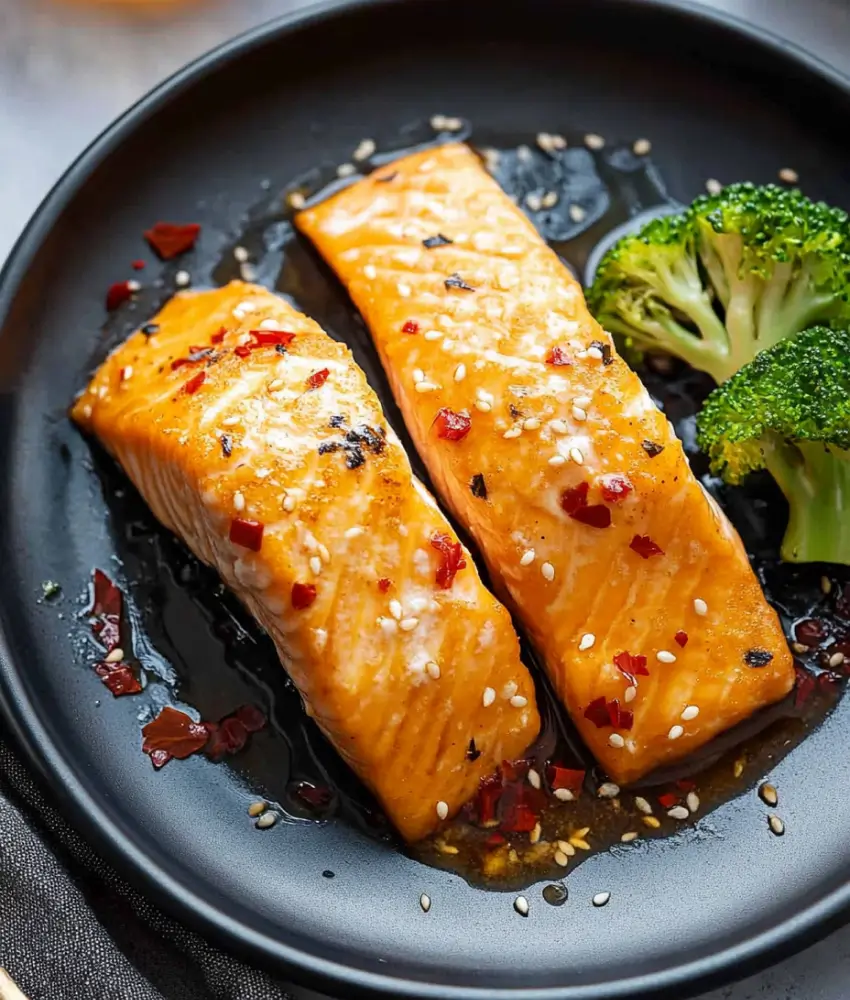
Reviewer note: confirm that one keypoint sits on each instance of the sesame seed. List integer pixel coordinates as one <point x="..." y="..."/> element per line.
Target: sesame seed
<point x="523" y="153"/>
<point x="576" y="456"/>
<point x="776" y="825"/>
<point x="690" y="712"/>
<point x="297" y="200"/>
<point x="238" y="501"/>
<point x="315" y="565"/>
<point x="678" y="812"/>
<point x="530" y="424"/>
<point x="460" y="373"/>
<point x="713" y="186"/>
<point x="182" y="279"/>
<point x="595" y="353"/>
<point x="488" y="697"/>
<point x="433" y="669"/>
<point x="426" y="387"/>
<point x="364" y="150"/>
<point x="559" y="427"/>
<point x="798" y="647"/>
<point x="627" y="838"/>
<point x="521" y="906"/>
<point x="608" y="790"/>
<point x="418" y="375"/>
<point x="652" y="822"/>
<point x="836" y="659"/>
<point x="533" y="778"/>
<point x="396" y="609"/>
<point x="601" y="899"/>
<point x="825" y="584"/>
<point x="114" y="655"/>
<point x="230" y="421"/>
<point x="408" y="624"/>
<point x="275" y="384"/>
<point x="550" y="199"/>
<point x="534" y="201"/>
<point x="566" y="847"/>
<point x="700" y="607"/>
<point x="510" y="689"/>
<point x="513" y="432"/>
<point x="133" y="286"/>
<point x="558" y="141"/>
<point x="429" y="334"/>
<point x="738" y="768"/>
<point x="419" y="604"/>
<point x="557" y="460"/>
<point x="241" y="254"/>
<point x="675" y="732"/>
<point x="577" y="213"/>
<point x="345" y="170"/>
<point x="789" y="175"/>
<point x="483" y="405"/>
<point x="548" y="571"/>
<point x="267" y="820"/>
<point x="643" y="805"/>
<point x="630" y="694"/>
<point x="527" y="557"/>
<point x="126" y="373"/>
<point x="248" y="272"/>
<point x="616" y="741"/>
<point x="535" y="834"/>
<point x="579" y="414"/>
<point x="425" y="902"/>
<point x="587" y="641"/>
<point x="388" y="625"/>
<point x="583" y="401"/>
<point x="561" y="859"/>
<point x="641" y="147"/>
<point x="289" y="503"/>
<point x="447" y="344"/>
<point x="693" y="801"/>
<point x="563" y="795"/>
<point x="594" y="141"/>
<point x="665" y="656"/>
<point x="519" y="701"/>
<point x="768" y="794"/>
<point x="544" y="141"/>
<point x="323" y="552"/>
<point x="257" y="809"/>
<point x="442" y="809"/>
<point x="403" y="290"/>
<point x="438" y="122"/>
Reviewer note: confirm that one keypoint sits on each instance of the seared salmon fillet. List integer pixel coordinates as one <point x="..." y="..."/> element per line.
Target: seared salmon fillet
<point x="255" y="438"/>
<point x="631" y="582"/>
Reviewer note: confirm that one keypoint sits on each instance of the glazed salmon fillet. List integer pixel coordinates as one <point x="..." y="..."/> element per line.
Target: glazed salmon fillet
<point x="268" y="454"/>
<point x="631" y="582"/>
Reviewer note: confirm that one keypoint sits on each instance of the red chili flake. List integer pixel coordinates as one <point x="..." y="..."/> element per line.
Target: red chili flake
<point x="627" y="719"/>
<point x="173" y="734"/>
<point x="451" y="559"/>
<point x="519" y="817"/>
<point x="645" y="547"/>
<point x="119" y="678"/>
<point x="558" y="356"/>
<point x="271" y="338"/>
<point x="194" y="383"/>
<point x="303" y="595"/>
<point x="231" y="734"/>
<point x="219" y="335"/>
<point x="410" y="327"/>
<point x="248" y="534"/>
<point x="596" y="515"/>
<point x="574" y="498"/>
<point x="488" y="800"/>
<point x="178" y="363"/>
<point x="631" y="666"/>
<point x="613" y="710"/>
<point x="118" y="294"/>
<point x="668" y="800"/>
<point x="805" y="685"/>
<point x="106" y="611"/>
<point x="495" y="839"/>
<point x="811" y="632"/>
<point x="516" y="770"/>
<point x="565" y="777"/>
<point x="242" y="351"/>
<point x="450" y="425"/>
<point x="170" y="239"/>
<point x="681" y="637"/>
<point x="384" y="584"/>
<point x="251" y="717"/>
<point x="315" y="796"/>
<point x="597" y="713"/>
<point x="138" y="265"/>
<point x="615" y="488"/>
<point x="318" y="379"/>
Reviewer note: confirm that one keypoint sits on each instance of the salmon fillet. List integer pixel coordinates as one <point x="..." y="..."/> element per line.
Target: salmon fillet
<point x="631" y="582"/>
<point x="269" y="455"/>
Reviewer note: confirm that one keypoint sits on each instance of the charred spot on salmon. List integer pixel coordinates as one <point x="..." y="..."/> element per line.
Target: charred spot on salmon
<point x="303" y="595"/>
<point x="354" y="457"/>
<point x="328" y="447"/>
<point x="248" y="534"/>
<point x="451" y="559"/>
<point x="450" y="425"/>
<point x="374" y="440"/>
<point x="149" y="329"/>
<point x="337" y="420"/>
<point x="558" y="356"/>
<point x="436" y="241"/>
<point x="652" y="448"/>
<point x="605" y="350"/>
<point x="645" y="547"/>
<point x="279" y="349"/>
<point x="757" y="657"/>
<point x="472" y="751"/>
<point x="226" y="445"/>
<point x="514" y="411"/>
<point x="478" y="487"/>
<point x="455" y="281"/>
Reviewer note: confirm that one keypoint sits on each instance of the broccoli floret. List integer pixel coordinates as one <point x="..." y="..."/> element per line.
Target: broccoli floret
<point x="732" y="275"/>
<point x="788" y="411"/>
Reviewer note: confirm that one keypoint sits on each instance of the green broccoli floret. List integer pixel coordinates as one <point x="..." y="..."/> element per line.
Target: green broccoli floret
<point x="732" y="275"/>
<point x="788" y="411"/>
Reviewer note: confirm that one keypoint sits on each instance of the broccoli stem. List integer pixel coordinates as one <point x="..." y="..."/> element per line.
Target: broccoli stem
<point x="816" y="482"/>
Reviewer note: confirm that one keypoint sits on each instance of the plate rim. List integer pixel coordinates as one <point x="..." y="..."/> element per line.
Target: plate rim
<point x="92" y="819"/>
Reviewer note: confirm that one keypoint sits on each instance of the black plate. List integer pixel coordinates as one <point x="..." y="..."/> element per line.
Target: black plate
<point x="717" y="100"/>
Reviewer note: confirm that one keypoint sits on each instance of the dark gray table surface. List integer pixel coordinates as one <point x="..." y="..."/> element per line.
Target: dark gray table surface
<point x="67" y="71"/>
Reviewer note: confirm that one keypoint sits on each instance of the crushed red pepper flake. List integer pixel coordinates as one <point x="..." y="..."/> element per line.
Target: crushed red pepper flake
<point x="681" y="637"/>
<point x="248" y="534"/>
<point x="271" y="338"/>
<point x="451" y="559"/>
<point x="119" y="678"/>
<point x="242" y="351"/>
<point x="558" y="356"/>
<point x="173" y="734"/>
<point x="604" y="713"/>
<point x="107" y="602"/>
<point x="219" y="335"/>
<point x="668" y="800"/>
<point x="318" y="379"/>
<point x="303" y="595"/>
<point x="170" y="239"/>
<point x="574" y="503"/>
<point x="118" y="294"/>
<point x="565" y="777"/>
<point x="615" y="487"/>
<point x="645" y="547"/>
<point x="138" y="265"/>
<point x="384" y="584"/>
<point x="631" y="665"/>
<point x="450" y="425"/>
<point x="597" y="713"/>
<point x="194" y="383"/>
<point x="804" y="687"/>
<point x="652" y="448"/>
<point x="410" y="327"/>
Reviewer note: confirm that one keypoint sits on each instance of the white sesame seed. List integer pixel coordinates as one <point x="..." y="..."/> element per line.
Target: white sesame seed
<point x="269" y="324"/>
<point x="776" y="825"/>
<point x="544" y="141"/>
<point x="534" y="201"/>
<point x="595" y="353"/>
<point x="789" y="175"/>
<point x="608" y="790"/>
<point x="426" y="387"/>
<point x="114" y="655"/>
<point x="448" y="344"/>
<point x="483" y="394"/>
<point x="433" y="669"/>
<point x="275" y="384"/>
<point x="521" y="906"/>
<point x="396" y="609"/>
<point x="665" y="656"/>
<point x="241" y="254"/>
<point x="675" y="732"/>
<point x="323" y="553"/>
<point x="531" y="424"/>
<point x="430" y="334"/>
<point x="240" y="315"/>
<point x="519" y="701"/>
<point x="630" y="694"/>
<point x="442" y="809"/>
<point x="418" y="375"/>
<point x="566" y="847"/>
<point x="576" y="456"/>
<point x="523" y="153"/>
<point x="627" y="838"/>
<point x="563" y="795"/>
<point x="388" y="625"/>
<point x="587" y="641"/>
<point x="583" y="401"/>
<point x="700" y="607"/>
<point x="268" y="819"/>
<point x="713" y="186"/>
<point x="289" y="503"/>
<point x="488" y="697"/>
<point x="690" y="713"/>
<point x="561" y="858"/>
<point x="126" y="373"/>
<point x="460" y="373"/>
<point x="577" y="213"/>
<point x="133" y="286"/>
<point x="364" y="150"/>
<point x="425" y="902"/>
<point x="642" y="805"/>
<point x="230" y="421"/>
<point x="257" y="808"/>
<point x="836" y="659"/>
<point x="182" y="279"/>
<point x="641" y="147"/>
<point x="579" y="414"/>
<point x="768" y="794"/>
<point x="438" y="122"/>
<point x="315" y="565"/>
<point x="557" y="460"/>
<point x="558" y="141"/>
<point x="527" y="557"/>
<point x="513" y="432"/>
<point x="550" y="199"/>
<point x="408" y="624"/>
<point x="453" y="124"/>
<point x="559" y="427"/>
<point x="403" y="290"/>
<point x="825" y="584"/>
<point x="678" y="812"/>
<point x="483" y="405"/>
<point x="345" y="170"/>
<point x="548" y="571"/>
<point x="601" y="899"/>
<point x="693" y="801"/>
<point x="238" y="501"/>
<point x="419" y="604"/>
<point x="616" y="741"/>
<point x="594" y="141"/>
<point x="297" y="200"/>
<point x="533" y="778"/>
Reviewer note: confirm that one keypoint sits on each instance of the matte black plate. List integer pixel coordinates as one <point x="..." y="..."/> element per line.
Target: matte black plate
<point x="717" y="101"/>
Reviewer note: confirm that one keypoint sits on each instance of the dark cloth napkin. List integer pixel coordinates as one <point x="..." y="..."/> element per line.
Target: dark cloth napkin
<point x="72" y="929"/>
